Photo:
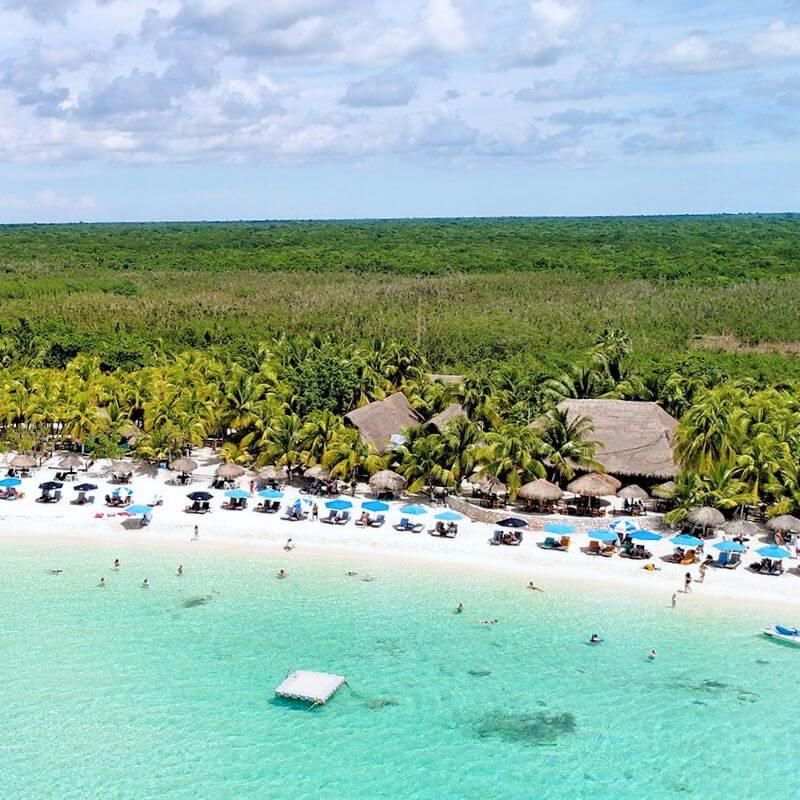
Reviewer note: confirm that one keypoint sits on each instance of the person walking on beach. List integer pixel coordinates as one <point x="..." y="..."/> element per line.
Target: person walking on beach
<point x="314" y="512"/>
<point x="702" y="572"/>
<point x="687" y="583"/>
<point x="289" y="546"/>
<point x="196" y="536"/>
<point x="674" y="599"/>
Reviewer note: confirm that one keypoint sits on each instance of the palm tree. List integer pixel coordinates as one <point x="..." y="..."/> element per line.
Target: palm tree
<point x="514" y="454"/>
<point x="348" y="454"/>
<point x="420" y="463"/>
<point x="567" y="444"/>
<point x="316" y="435"/>
<point x="459" y="448"/>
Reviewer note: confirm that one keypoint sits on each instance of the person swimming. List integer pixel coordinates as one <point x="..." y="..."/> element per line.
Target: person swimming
<point x="102" y="582"/>
<point x="367" y="578"/>
<point x="351" y="574"/>
<point x="459" y="608"/>
<point x="594" y="639"/>
<point x="54" y="571"/>
<point x="282" y="573"/>
<point x="145" y="584"/>
<point x="489" y="622"/>
<point x="652" y="655"/>
<point x="116" y="563"/>
<point x="180" y="569"/>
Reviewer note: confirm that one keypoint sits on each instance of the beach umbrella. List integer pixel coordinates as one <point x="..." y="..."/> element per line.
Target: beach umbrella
<point x="48" y="486"/>
<point x="317" y="473"/>
<point x="541" y="491"/>
<point x="413" y="510"/>
<point x="633" y="492"/>
<point x="229" y="471"/>
<point x="559" y="528"/>
<point x="623" y="526"/>
<point x="706" y="517"/>
<point x="273" y="473"/>
<point x="84" y="487"/>
<point x="120" y="490"/>
<point x="23" y="462"/>
<point x="730" y="547"/>
<point x="603" y="534"/>
<point x="375" y="505"/>
<point x="198" y="497"/>
<point x="270" y="494"/>
<point x="491" y="485"/>
<point x="183" y="464"/>
<point x="237" y="494"/>
<point x="594" y="484"/>
<point x="512" y="522"/>
<point x="645" y="536"/>
<point x="786" y="523"/>
<point x="684" y="540"/>
<point x="338" y="505"/>
<point x="773" y="551"/>
<point x="138" y="510"/>
<point x="8" y="483"/>
<point x="71" y="463"/>
<point x="742" y="528"/>
<point x="387" y="481"/>
<point x="448" y="516"/>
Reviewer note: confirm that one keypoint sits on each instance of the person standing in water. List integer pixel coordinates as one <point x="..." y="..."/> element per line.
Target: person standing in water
<point x="282" y="573"/>
<point x="652" y="655"/>
<point x="180" y="569"/>
<point x="145" y="584"/>
<point x="460" y="608"/>
<point x="196" y="536"/>
<point x="102" y="582"/>
<point x="674" y="599"/>
<point x="116" y="564"/>
<point x="702" y="572"/>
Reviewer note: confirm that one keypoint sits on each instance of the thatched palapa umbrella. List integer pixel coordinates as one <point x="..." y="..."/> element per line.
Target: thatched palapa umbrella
<point x="183" y="464"/>
<point x="665" y="491"/>
<point x="540" y="491"/>
<point x="490" y="485"/>
<point x="23" y="462"/>
<point x="273" y="473"/>
<point x="230" y="471"/>
<point x="71" y="463"/>
<point x="594" y="484"/>
<point x="785" y="524"/>
<point x="706" y="517"/>
<point x="633" y="492"/>
<point x="387" y="482"/>
<point x="742" y="528"/>
<point x="317" y="473"/>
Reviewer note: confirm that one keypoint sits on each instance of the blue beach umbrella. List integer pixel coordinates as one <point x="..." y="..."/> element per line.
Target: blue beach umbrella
<point x="338" y="505"/>
<point x="375" y="505"/>
<point x="237" y="494"/>
<point x="559" y="528"/>
<point x="645" y="536"/>
<point x="603" y="534"/>
<point x="512" y="522"/>
<point x="120" y="490"/>
<point x="139" y="510"/>
<point x="622" y="526"/>
<point x="684" y="540"/>
<point x="773" y="551"/>
<point x="413" y="510"/>
<point x="730" y="547"/>
<point x="270" y="494"/>
<point x="448" y="516"/>
<point x="8" y="483"/>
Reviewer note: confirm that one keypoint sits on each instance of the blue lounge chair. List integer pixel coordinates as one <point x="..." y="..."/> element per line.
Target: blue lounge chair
<point x="404" y="525"/>
<point x="378" y="521"/>
<point x="330" y="519"/>
<point x="342" y="519"/>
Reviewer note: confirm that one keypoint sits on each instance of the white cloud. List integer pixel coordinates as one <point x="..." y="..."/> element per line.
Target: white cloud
<point x="780" y="40"/>
<point x="47" y="199"/>
<point x="378" y="91"/>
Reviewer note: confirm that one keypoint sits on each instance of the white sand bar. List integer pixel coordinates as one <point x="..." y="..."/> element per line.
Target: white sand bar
<point x="313" y="687"/>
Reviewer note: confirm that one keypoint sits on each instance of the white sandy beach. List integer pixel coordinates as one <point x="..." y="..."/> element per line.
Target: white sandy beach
<point x="469" y="551"/>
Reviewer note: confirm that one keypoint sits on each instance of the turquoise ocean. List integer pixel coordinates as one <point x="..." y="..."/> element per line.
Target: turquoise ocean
<point x="168" y="692"/>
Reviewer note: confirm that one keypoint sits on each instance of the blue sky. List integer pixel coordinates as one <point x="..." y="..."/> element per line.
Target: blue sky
<point x="229" y="109"/>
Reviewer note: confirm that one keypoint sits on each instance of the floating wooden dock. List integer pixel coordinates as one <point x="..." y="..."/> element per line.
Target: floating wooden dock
<point x="313" y="687"/>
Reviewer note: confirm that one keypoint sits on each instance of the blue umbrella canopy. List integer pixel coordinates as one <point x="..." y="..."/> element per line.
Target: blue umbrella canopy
<point x="773" y="551"/>
<point x="49" y="485"/>
<point x="413" y="510"/>
<point x="645" y="536"/>
<point x="122" y="490"/>
<point x="448" y="516"/>
<point x="684" y="540"/>
<point x="559" y="528"/>
<point x="8" y="483"/>
<point x="375" y="505"/>
<point x="270" y="494"/>
<point x="603" y="534"/>
<point x="512" y="522"/>
<point x="730" y="547"/>
<point x="85" y="487"/>
<point x="622" y="526"/>
<point x="200" y="496"/>
<point x="139" y="510"/>
<point x="237" y="494"/>
<point x="338" y="505"/>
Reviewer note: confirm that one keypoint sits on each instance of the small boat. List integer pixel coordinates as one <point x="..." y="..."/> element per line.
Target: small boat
<point x="791" y="635"/>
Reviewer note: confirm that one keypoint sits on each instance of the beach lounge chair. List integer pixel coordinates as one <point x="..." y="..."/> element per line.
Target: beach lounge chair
<point x="689" y="558"/>
<point x="551" y="543"/>
<point x="607" y="550"/>
<point x="403" y="525"/>
<point x="378" y="521"/>
<point x="593" y="548"/>
<point x="330" y="519"/>
<point x="342" y="519"/>
<point x="497" y="538"/>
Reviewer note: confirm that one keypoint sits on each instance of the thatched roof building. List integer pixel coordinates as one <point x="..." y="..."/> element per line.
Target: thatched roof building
<point x="378" y="421"/>
<point x="387" y="482"/>
<point x="634" y="438"/>
<point x="541" y="491"/>
<point x="441" y="420"/>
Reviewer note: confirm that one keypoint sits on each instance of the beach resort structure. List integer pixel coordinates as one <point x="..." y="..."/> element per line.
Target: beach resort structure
<point x="634" y="439"/>
<point x="382" y="422"/>
<point x="309" y="686"/>
<point x="441" y="420"/>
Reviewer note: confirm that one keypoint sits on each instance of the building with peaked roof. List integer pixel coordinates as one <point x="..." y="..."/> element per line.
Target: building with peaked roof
<point x="381" y="422"/>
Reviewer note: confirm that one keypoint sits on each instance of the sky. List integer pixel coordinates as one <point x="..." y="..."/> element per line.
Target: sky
<point x="277" y="109"/>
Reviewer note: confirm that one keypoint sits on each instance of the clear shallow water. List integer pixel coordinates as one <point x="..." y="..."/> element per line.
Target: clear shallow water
<point x="167" y="692"/>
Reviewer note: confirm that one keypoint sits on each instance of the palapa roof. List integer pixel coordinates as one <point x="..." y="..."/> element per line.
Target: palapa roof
<point x="230" y="471"/>
<point x="666" y="490"/>
<point x="183" y="464"/>
<point x="633" y="492"/>
<point x="387" y="481"/>
<point x="706" y="517"/>
<point x="273" y="473"/>
<point x="71" y="462"/>
<point x="540" y="490"/>
<point x="633" y="438"/>
<point x="378" y="421"/>
<point x="488" y="484"/>
<point x="317" y="473"/>
<point x="441" y="420"/>
<point x="23" y="461"/>
<point x="786" y="523"/>
<point x="594" y="484"/>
